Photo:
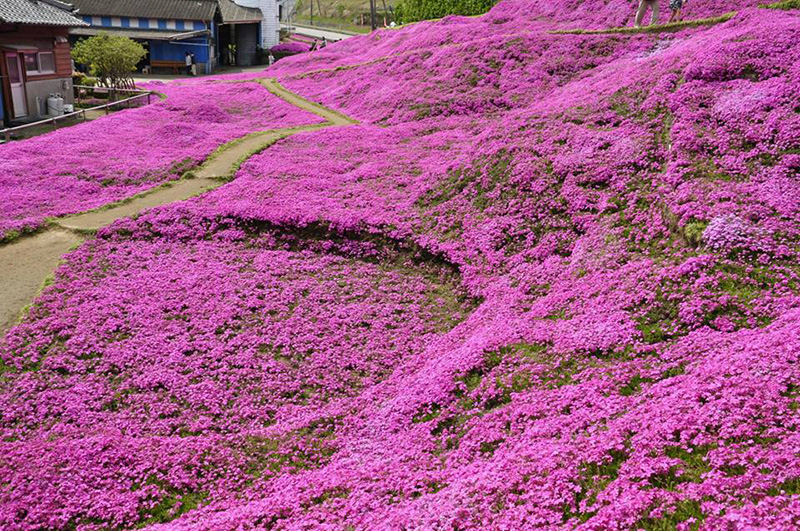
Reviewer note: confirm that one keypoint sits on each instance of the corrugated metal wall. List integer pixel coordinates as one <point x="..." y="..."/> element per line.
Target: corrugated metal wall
<point x="246" y="42"/>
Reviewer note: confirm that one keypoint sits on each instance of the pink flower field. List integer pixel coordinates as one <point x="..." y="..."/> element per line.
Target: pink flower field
<point x="93" y="164"/>
<point x="550" y="282"/>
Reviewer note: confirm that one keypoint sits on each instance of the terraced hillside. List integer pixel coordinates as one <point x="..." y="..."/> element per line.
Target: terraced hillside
<point x="549" y="281"/>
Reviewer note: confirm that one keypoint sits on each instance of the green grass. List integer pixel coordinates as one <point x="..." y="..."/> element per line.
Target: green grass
<point x="336" y="24"/>
<point x="170" y="508"/>
<point x="789" y="487"/>
<point x="694" y="464"/>
<point x="660" y="28"/>
<point x="634" y="385"/>
<point x="595" y="477"/>
<point x="693" y="233"/>
<point x="681" y="512"/>
<point x="786" y="5"/>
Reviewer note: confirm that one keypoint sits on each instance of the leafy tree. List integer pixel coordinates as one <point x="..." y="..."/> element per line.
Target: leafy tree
<point x="111" y="58"/>
<point x="414" y="10"/>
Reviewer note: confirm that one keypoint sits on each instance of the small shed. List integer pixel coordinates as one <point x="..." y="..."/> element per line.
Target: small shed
<point x="35" y="53"/>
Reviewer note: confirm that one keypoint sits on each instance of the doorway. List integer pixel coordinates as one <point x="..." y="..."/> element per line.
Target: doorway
<point x="19" y="102"/>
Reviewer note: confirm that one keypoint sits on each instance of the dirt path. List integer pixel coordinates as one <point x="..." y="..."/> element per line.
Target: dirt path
<point x="28" y="262"/>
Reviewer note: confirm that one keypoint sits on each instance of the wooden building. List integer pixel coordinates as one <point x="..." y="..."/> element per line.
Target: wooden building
<point x="35" y="51"/>
<point x="168" y="29"/>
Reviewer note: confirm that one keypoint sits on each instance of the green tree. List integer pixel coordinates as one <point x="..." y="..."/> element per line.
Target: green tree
<point x="414" y="10"/>
<point x="111" y="58"/>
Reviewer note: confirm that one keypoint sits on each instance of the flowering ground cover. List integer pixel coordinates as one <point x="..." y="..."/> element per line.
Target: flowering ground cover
<point x="92" y="164"/>
<point x="559" y="291"/>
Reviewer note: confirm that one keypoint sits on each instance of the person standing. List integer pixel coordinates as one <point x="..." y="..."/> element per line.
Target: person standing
<point x="188" y="61"/>
<point x="324" y="43"/>
<point x="194" y="65"/>
<point x="675" y="6"/>
<point x="643" y="5"/>
<point x="271" y="59"/>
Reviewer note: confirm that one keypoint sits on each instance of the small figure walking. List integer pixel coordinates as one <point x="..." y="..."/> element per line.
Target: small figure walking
<point x="271" y="59"/>
<point x="676" y="6"/>
<point x="643" y="5"/>
<point x="188" y="61"/>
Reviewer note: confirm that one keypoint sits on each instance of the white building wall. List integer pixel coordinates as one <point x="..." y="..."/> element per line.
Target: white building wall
<point x="270" y="26"/>
<point x="289" y="8"/>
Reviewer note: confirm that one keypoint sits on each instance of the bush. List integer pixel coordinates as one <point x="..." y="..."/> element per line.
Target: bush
<point x="415" y="10"/>
<point x="111" y="58"/>
<point x="79" y="78"/>
<point x="289" y="48"/>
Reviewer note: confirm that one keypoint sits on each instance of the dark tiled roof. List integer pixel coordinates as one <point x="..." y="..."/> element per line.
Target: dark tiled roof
<point x="165" y="9"/>
<point x="232" y="12"/>
<point x="38" y="12"/>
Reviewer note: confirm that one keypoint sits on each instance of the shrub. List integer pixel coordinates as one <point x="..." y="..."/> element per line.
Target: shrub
<point x="415" y="10"/>
<point x="111" y="58"/>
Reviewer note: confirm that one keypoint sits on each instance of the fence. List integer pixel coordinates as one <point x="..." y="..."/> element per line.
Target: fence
<point x="112" y="92"/>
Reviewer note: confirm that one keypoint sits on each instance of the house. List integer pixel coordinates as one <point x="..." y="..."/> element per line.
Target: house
<point x="170" y="28"/>
<point x="167" y="28"/>
<point x="35" y="53"/>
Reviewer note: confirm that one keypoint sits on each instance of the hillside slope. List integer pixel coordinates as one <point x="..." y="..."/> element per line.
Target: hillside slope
<point x="549" y="282"/>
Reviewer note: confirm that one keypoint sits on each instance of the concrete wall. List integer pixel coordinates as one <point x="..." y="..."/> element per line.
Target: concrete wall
<point x="43" y="89"/>
<point x="289" y="7"/>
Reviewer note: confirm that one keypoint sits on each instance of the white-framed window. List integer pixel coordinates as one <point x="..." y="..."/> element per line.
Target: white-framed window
<point x="40" y="63"/>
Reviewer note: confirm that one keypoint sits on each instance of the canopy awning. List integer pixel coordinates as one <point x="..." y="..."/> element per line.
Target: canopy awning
<point x="141" y="34"/>
<point x="189" y="35"/>
<point x="22" y="48"/>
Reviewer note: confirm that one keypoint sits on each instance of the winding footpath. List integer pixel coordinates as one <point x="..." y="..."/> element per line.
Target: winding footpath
<point x="28" y="262"/>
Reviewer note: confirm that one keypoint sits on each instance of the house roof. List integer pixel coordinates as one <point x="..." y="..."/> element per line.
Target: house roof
<point x="38" y="12"/>
<point x="233" y="13"/>
<point x="164" y="9"/>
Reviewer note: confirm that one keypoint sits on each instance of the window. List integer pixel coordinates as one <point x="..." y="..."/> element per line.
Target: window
<point x="47" y="63"/>
<point x="39" y="63"/>
<point x="31" y="64"/>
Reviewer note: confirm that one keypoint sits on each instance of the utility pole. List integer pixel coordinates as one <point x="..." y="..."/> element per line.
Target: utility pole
<point x="372" y="14"/>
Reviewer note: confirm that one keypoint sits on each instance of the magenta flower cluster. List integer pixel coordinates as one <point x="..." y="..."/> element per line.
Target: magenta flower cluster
<point x="549" y="282"/>
<point x="291" y="47"/>
<point x="90" y="165"/>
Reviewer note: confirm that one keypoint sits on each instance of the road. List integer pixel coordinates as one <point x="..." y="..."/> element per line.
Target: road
<point x="318" y="33"/>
